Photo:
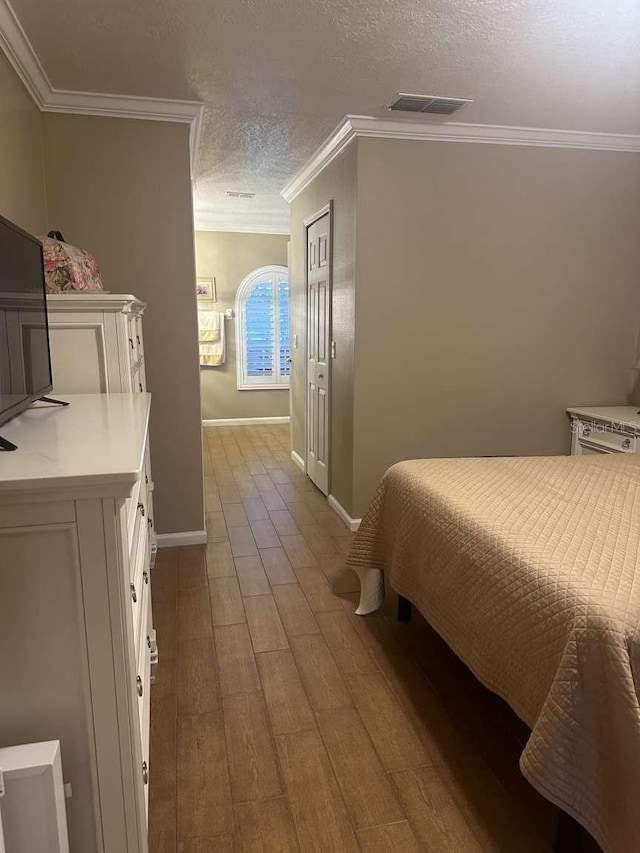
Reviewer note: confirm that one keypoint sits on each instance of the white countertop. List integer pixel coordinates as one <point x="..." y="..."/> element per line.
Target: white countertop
<point x="617" y="414"/>
<point x="98" y="440"/>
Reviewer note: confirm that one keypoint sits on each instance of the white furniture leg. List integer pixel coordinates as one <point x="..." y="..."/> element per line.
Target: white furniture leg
<point x="371" y="590"/>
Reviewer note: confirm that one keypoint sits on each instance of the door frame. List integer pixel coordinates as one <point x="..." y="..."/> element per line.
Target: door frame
<point x="308" y="222"/>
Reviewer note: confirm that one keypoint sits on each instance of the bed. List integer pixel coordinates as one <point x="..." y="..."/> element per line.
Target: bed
<point x="529" y="569"/>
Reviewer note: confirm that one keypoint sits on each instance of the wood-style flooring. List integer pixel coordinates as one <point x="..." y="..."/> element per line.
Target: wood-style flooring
<point x="280" y="721"/>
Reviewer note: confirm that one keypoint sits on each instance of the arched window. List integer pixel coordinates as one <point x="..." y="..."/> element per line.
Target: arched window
<point x="262" y="329"/>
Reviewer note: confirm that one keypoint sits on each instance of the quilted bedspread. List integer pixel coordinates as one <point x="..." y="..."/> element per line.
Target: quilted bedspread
<point x="529" y="569"/>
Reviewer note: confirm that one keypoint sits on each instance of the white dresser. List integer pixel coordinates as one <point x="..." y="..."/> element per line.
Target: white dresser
<point x="97" y="347"/>
<point x="76" y="635"/>
<point x="604" y="429"/>
<point x="96" y="343"/>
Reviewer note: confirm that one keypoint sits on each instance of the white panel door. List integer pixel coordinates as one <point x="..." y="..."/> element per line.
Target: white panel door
<point x="318" y="348"/>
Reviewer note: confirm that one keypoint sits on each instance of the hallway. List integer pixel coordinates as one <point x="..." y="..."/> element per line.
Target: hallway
<point x="281" y="722"/>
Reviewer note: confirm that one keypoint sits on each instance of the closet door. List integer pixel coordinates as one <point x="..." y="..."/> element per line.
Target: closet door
<point x="318" y="350"/>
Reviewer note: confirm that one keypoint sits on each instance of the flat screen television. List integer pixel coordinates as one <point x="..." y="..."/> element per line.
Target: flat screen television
<point x="25" y="361"/>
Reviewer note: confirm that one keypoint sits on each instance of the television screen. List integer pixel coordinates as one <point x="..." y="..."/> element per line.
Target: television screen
<point x="25" y="364"/>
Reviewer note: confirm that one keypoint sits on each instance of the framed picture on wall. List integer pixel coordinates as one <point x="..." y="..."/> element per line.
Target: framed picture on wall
<point x="206" y="289"/>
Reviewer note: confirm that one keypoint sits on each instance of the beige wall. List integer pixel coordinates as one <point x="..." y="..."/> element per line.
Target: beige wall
<point x="496" y="286"/>
<point x="230" y="258"/>
<point x="121" y="188"/>
<point x="338" y="183"/>
<point x="22" y="190"/>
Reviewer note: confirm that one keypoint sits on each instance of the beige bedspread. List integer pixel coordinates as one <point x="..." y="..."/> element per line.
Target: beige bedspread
<point x="529" y="569"/>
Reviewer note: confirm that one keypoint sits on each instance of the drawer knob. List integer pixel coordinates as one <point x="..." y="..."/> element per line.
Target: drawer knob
<point x="141" y="509"/>
<point x="145" y="576"/>
<point x="626" y="443"/>
<point x="145" y="773"/>
<point x="139" y="686"/>
<point x="134" y="594"/>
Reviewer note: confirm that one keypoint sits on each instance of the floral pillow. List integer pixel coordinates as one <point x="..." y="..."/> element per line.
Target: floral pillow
<point x="68" y="268"/>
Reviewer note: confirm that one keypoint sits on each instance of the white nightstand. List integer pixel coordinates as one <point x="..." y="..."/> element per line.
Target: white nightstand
<point x="604" y="429"/>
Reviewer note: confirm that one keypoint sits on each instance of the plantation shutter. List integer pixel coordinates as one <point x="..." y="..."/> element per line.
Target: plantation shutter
<point x="263" y="330"/>
<point x="260" y="317"/>
<point x="283" y="308"/>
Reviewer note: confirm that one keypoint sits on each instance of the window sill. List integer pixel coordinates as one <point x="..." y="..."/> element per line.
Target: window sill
<point x="263" y="387"/>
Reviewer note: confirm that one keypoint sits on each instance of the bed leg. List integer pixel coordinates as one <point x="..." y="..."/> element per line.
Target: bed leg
<point x="371" y="590"/>
<point x="404" y="609"/>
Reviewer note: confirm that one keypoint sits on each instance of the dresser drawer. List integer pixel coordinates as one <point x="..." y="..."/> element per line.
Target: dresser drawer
<point x="131" y="505"/>
<point x="143" y="655"/>
<point x="138" y="523"/>
<point x="585" y="449"/>
<point x="143" y="688"/>
<point x="138" y="380"/>
<point x="143" y="637"/>
<point x="139" y="582"/>
<point x="143" y="498"/>
<point x="606" y="437"/>
<point x="133" y="337"/>
<point x="153" y="539"/>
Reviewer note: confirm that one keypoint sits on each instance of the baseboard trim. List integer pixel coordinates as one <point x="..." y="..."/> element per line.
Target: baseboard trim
<point x="187" y="537"/>
<point x="209" y="422"/>
<point x="352" y="523"/>
<point x="298" y="460"/>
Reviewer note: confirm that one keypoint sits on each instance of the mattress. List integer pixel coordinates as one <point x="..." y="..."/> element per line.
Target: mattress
<point x="528" y="568"/>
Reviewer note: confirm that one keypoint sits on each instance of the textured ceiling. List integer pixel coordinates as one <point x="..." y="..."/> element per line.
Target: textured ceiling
<point x="276" y="76"/>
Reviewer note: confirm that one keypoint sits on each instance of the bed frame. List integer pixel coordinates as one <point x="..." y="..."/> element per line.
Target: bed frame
<point x="570" y="836"/>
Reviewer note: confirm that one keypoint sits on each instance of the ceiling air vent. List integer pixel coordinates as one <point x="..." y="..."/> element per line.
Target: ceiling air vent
<point x="428" y="104"/>
<point x="238" y="194"/>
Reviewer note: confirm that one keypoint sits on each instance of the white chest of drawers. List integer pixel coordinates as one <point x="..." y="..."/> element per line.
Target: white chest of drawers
<point x="604" y="429"/>
<point x="97" y="347"/>
<point x="96" y="343"/>
<point x="75" y="607"/>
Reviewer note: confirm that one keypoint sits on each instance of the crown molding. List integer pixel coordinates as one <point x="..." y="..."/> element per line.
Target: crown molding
<point x="20" y="53"/>
<point x="243" y="229"/>
<point x="129" y="106"/>
<point x="241" y="223"/>
<point x="383" y="128"/>
<point x="331" y="148"/>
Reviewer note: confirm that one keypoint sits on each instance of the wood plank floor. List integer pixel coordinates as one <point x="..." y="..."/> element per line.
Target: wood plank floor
<point x="280" y="721"/>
